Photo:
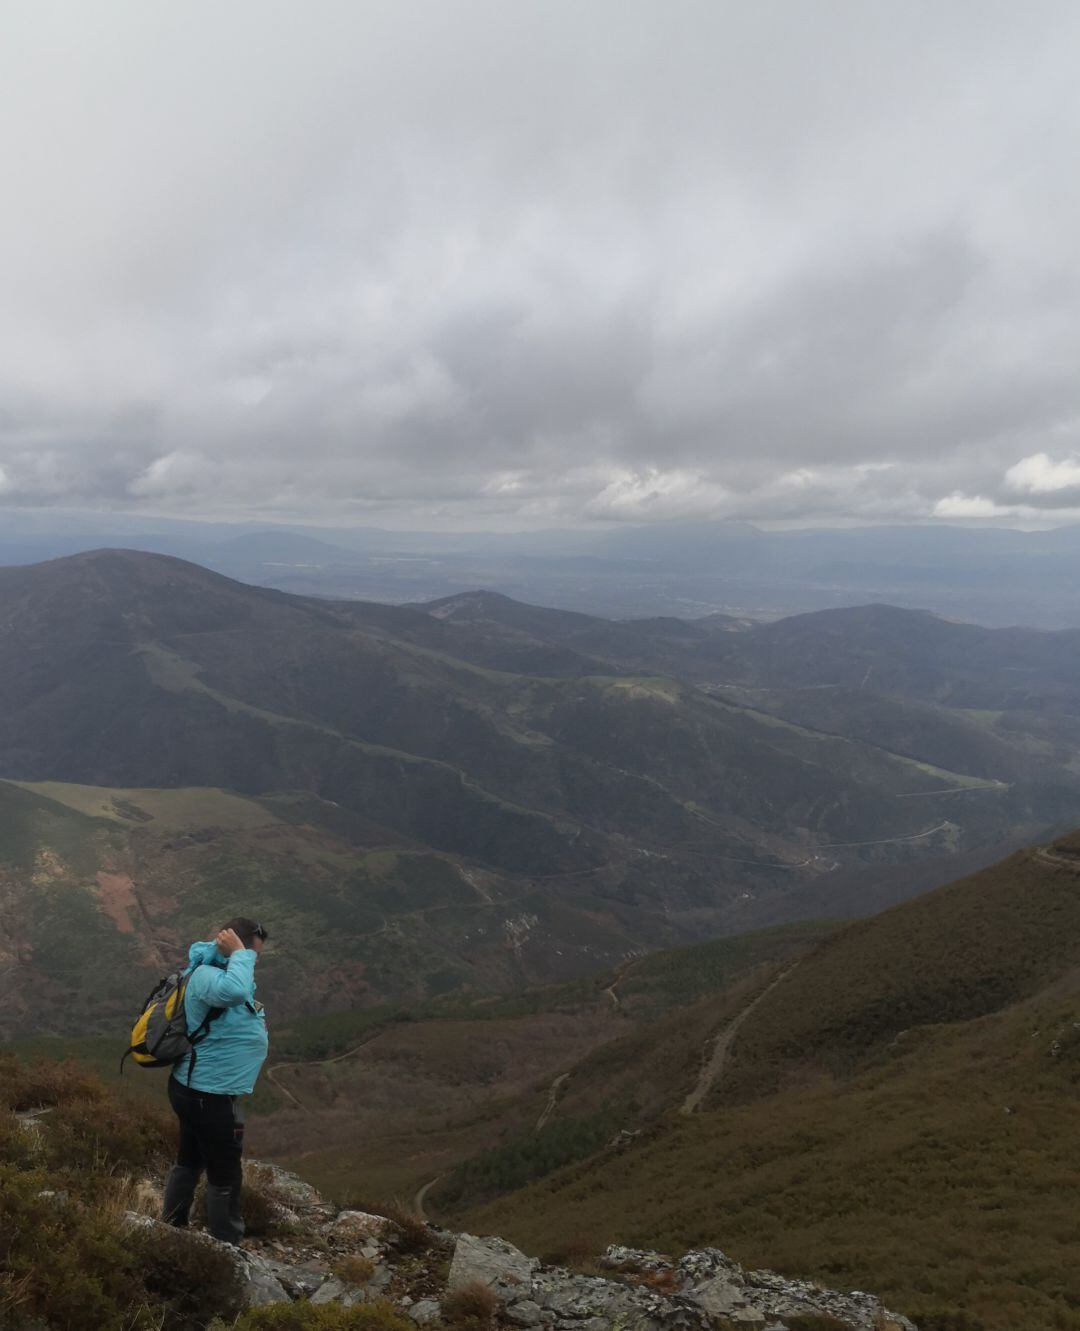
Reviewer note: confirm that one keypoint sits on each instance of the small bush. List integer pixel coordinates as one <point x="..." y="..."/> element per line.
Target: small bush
<point x="191" y="1279"/>
<point x="354" y="1269"/>
<point x="44" y="1082"/>
<point x="577" y="1254"/>
<point x="62" y="1263"/>
<point x="106" y="1136"/>
<point x="262" y="1215"/>
<point x="380" y="1316"/>
<point x="471" y="1307"/>
<point x="409" y="1227"/>
<point x="17" y="1145"/>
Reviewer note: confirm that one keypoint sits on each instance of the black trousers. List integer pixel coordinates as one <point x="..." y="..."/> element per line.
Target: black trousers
<point x="211" y="1139"/>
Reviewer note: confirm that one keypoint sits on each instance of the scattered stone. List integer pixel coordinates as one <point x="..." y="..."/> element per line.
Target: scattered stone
<point x="353" y="1226"/>
<point x="336" y="1291"/>
<point x="299" y="1281"/>
<point x="493" y="1262"/>
<point x="260" y="1285"/>
<point x="427" y="1310"/>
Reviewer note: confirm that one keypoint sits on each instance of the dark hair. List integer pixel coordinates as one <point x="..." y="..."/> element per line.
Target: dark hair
<point x="247" y="930"/>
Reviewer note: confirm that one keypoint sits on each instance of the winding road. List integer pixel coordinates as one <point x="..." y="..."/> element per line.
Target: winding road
<point x="714" y="1065"/>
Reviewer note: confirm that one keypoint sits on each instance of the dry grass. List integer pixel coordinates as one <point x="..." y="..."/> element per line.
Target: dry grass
<point x="471" y="1307"/>
<point x="409" y="1228"/>
<point x="354" y="1269"/>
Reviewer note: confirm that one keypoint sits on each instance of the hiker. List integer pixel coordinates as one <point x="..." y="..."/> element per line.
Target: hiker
<point x="205" y="1086"/>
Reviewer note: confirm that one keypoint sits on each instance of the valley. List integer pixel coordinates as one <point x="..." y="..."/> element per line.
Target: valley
<point x="569" y="915"/>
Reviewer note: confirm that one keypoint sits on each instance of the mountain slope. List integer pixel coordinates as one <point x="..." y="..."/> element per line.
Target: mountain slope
<point x="895" y="1106"/>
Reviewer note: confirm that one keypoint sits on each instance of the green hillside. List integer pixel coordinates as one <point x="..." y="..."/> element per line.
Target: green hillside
<point x="896" y="1111"/>
<point x="104" y="888"/>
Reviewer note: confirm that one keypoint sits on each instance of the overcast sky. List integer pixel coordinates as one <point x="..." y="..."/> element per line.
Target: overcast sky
<point x="513" y="264"/>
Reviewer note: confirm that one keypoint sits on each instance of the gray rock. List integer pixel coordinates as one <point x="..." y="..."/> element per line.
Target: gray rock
<point x="336" y="1291"/>
<point x="718" y="1296"/>
<point x="299" y="1281"/>
<point x="493" y="1262"/>
<point x="379" y="1280"/>
<point x="525" y="1313"/>
<point x="286" y="1187"/>
<point x="260" y="1285"/>
<point x="255" y="1276"/>
<point x="427" y="1310"/>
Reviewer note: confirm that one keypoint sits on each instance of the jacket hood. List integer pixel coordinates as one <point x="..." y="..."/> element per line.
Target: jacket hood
<point x="205" y="954"/>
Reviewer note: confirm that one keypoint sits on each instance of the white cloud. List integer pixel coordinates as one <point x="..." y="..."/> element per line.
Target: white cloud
<point x="1039" y="475"/>
<point x="970" y="506"/>
<point x="653" y="494"/>
<point x="454" y="265"/>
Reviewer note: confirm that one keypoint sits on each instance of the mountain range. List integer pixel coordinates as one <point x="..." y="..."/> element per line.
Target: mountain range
<point x="989" y="575"/>
<point x="511" y="794"/>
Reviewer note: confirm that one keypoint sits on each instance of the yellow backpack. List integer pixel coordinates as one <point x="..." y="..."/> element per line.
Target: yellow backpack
<point x="160" y="1038"/>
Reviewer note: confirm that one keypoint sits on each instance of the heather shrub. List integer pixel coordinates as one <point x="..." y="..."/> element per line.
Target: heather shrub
<point x="189" y="1279"/>
<point x="576" y="1253"/>
<point x="106" y="1136"/>
<point x="17" y="1145"/>
<point x="44" y="1083"/>
<point x="380" y="1316"/>
<point x="409" y="1228"/>
<point x="471" y="1307"/>
<point x="354" y="1269"/>
<point x="58" y="1261"/>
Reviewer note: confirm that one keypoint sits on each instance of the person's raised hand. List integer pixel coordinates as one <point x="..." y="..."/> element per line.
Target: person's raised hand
<point x="228" y="941"/>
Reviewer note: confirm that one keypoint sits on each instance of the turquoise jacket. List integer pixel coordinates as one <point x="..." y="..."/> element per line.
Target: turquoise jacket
<point x="228" y="1060"/>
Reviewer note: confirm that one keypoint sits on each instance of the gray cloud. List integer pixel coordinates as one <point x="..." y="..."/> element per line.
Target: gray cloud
<point x="487" y="264"/>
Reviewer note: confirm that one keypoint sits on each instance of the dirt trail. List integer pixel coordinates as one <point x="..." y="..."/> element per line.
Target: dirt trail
<point x="620" y="975"/>
<point x="553" y="1096"/>
<point x="714" y="1065"/>
<point x="316" y="1063"/>
<point x="421" y="1196"/>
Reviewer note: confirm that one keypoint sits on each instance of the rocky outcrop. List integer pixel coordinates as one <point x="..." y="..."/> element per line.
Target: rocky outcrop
<point x="649" y="1292"/>
<point x="255" y="1276"/>
<point x="353" y="1257"/>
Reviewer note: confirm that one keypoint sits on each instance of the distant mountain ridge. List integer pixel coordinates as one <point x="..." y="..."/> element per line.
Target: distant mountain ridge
<point x="985" y="575"/>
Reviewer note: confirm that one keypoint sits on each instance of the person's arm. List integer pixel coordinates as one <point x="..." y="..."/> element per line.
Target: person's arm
<point x="236" y="983"/>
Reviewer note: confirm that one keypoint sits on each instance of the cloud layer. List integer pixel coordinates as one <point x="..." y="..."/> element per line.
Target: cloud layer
<point x="483" y="264"/>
